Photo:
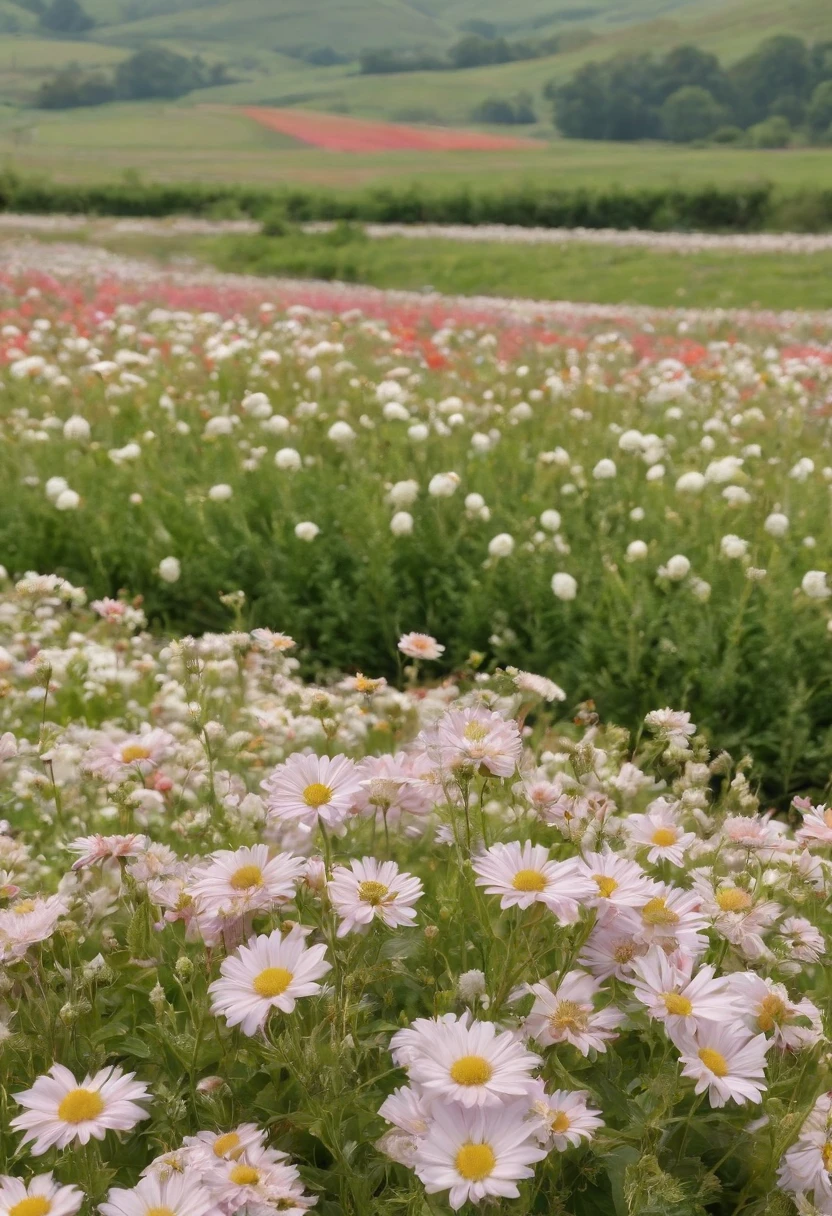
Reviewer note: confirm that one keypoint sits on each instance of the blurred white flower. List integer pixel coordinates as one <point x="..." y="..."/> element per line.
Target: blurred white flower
<point x="170" y="569"/>
<point x="401" y="524"/>
<point x="564" y="586"/>
<point x="306" y="530"/>
<point x="814" y="585"/>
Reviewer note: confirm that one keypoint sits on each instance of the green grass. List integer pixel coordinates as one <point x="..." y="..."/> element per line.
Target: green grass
<point x="179" y="142"/>
<point x="591" y="274"/>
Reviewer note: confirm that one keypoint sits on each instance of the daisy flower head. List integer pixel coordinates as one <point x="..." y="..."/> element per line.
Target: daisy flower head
<point x="420" y="646"/>
<point x="659" y="832"/>
<point x="766" y="1006"/>
<point x="611" y="950"/>
<point x="211" y="1147"/>
<point x="272" y="643"/>
<point x="234" y="882"/>
<point x="816" y="828"/>
<point x="671" y="919"/>
<point x="672" y="725"/>
<point x="272" y="972"/>
<point x="312" y="789"/>
<point x="472" y="1063"/>
<point x="801" y="940"/>
<point x="567" y="1014"/>
<point x="524" y="874"/>
<point x="58" y="1111"/>
<point x="727" y="1061"/>
<point x="617" y="881"/>
<point x="474" y="1152"/>
<point x="28" y="921"/>
<point x="373" y="890"/>
<point x="563" y="1118"/>
<point x="807" y="1166"/>
<point x="479" y="739"/>
<point x="95" y="848"/>
<point x="40" y="1196"/>
<point x="173" y="1194"/>
<point x="408" y="1110"/>
<point x="259" y="1181"/>
<point x="131" y="756"/>
<point x="678" y="999"/>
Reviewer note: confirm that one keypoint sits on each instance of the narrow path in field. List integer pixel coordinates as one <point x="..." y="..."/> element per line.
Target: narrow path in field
<point x="412" y="308"/>
<point x="666" y="242"/>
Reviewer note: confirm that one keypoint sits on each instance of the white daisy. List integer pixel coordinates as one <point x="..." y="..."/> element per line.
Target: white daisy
<point x="256" y="1182"/>
<point x="472" y="1153"/>
<point x="234" y="882"/>
<point x="40" y="1196"/>
<point x="370" y="890"/>
<point x="524" y="874"/>
<point x="472" y="1063"/>
<point x="564" y="1117"/>
<point x="480" y="739"/>
<point x="310" y="789"/>
<point x="211" y="1147"/>
<point x="658" y="830"/>
<point x="172" y="1195"/>
<point x="28" y="921"/>
<point x="420" y="646"/>
<point x="567" y="1014"/>
<point x="678" y="1000"/>
<point x="58" y="1110"/>
<point x="766" y="1006"/>
<point x="618" y="882"/>
<point x="271" y="972"/>
<point x="726" y="1061"/>
<point x="671" y="918"/>
<point x="99" y="848"/>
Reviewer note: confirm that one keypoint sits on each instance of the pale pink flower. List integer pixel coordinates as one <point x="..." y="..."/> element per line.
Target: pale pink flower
<point x="420" y="646"/>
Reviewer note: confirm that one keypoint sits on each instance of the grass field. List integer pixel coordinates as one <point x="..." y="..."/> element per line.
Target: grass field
<point x="211" y="143"/>
<point x="599" y="275"/>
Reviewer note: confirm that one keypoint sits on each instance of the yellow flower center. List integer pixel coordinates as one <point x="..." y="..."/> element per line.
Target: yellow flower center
<point x="624" y="952"/>
<point x="79" y="1105"/>
<point x="160" y="1211"/>
<point x="714" y="1061"/>
<point x="559" y="1122"/>
<point x="133" y="752"/>
<point x="34" y="1205"/>
<point x="664" y="837"/>
<point x="471" y="1070"/>
<point x="364" y="684"/>
<point x="317" y="794"/>
<point x="244" y="1175"/>
<point x="772" y="1013"/>
<point x="605" y="884"/>
<point x="675" y="1003"/>
<point x="247" y="877"/>
<point x="371" y="892"/>
<point x="826" y="1153"/>
<point x="827" y="817"/>
<point x="23" y="907"/>
<point x="732" y="899"/>
<point x="568" y="1016"/>
<point x="223" y="1145"/>
<point x="529" y="880"/>
<point x="475" y="732"/>
<point x="272" y="982"/>
<point x="475" y="1161"/>
<point x="656" y="912"/>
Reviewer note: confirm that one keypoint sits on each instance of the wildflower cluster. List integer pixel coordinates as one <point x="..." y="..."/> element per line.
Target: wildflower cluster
<point x="271" y="945"/>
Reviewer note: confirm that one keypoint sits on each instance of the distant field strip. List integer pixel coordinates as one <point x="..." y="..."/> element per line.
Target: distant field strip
<point x="665" y="242"/>
<point x="337" y="133"/>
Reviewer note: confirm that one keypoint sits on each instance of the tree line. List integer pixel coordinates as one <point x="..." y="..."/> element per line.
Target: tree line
<point x="473" y="50"/>
<point x="152" y="72"/>
<point x="687" y="95"/>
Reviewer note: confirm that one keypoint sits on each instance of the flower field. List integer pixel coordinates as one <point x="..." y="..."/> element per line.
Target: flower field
<point x="415" y="732"/>
<point x="339" y="133"/>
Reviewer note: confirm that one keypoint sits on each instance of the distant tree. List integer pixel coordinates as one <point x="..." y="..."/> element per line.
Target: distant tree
<point x="780" y="67"/>
<point x="474" y="51"/>
<point x="158" y="72"/>
<point x="691" y="113"/>
<point x="505" y="110"/>
<point x="819" y="112"/>
<point x="71" y="88"/>
<point x="771" y="133"/>
<point x="612" y="100"/>
<point x="66" y="17"/>
<point x="728" y="135"/>
<point x="688" y="65"/>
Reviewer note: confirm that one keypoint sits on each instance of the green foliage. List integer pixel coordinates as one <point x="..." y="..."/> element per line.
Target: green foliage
<point x="690" y="113"/>
<point x="636" y="96"/>
<point x="149" y="73"/>
<point x="66" y="17"/>
<point x="507" y="110"/>
<point x="773" y="132"/>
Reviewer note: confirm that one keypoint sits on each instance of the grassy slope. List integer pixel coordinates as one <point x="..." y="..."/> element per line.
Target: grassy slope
<point x="181" y="142"/>
<point x="597" y="275"/>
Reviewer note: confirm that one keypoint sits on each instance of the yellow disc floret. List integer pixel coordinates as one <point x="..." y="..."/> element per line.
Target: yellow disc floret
<point x="246" y="878"/>
<point x="79" y="1105"/>
<point x="471" y="1070"/>
<point x="529" y="880"/>
<point x="475" y="1161"/>
<point x="272" y="982"/>
<point x="371" y="892"/>
<point x="714" y="1061"/>
<point x="317" y="794"/>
